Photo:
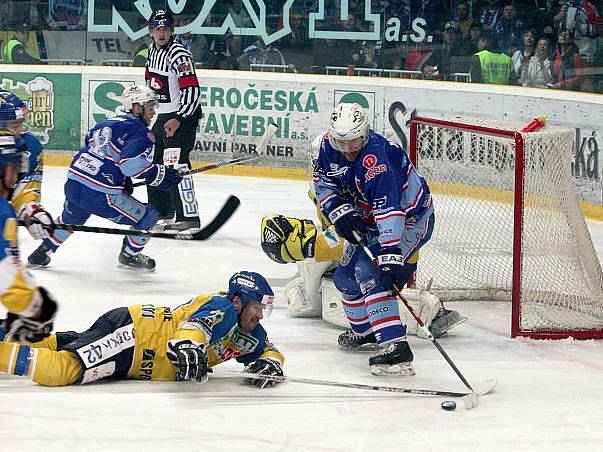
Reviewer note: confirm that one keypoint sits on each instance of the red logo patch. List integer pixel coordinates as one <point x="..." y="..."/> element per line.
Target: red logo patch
<point x="369" y="161"/>
<point x="184" y="67"/>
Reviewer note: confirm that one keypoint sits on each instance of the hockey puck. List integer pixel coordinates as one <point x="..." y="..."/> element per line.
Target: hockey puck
<point x="449" y="405"/>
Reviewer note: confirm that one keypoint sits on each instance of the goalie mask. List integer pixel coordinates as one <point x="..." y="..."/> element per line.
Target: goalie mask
<point x="251" y="287"/>
<point x="286" y="240"/>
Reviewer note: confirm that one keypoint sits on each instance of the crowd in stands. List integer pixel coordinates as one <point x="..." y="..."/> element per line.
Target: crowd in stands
<point x="536" y="43"/>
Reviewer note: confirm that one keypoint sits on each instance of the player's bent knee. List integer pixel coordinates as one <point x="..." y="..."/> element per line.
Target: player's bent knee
<point x="56" y="368"/>
<point x="149" y="219"/>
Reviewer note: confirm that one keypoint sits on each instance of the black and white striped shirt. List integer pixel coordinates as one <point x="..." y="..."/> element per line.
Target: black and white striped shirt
<point x="170" y="72"/>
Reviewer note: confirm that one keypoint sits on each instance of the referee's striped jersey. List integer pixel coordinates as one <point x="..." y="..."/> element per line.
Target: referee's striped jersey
<point x="170" y="72"/>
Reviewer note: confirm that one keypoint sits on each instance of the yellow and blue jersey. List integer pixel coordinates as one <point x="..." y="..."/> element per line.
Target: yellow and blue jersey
<point x="29" y="187"/>
<point x="209" y="320"/>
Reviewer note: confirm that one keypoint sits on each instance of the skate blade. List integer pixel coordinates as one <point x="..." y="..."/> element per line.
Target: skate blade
<point x="401" y="370"/>
<point x="360" y="349"/>
<point x="38" y="266"/>
<point x="136" y="269"/>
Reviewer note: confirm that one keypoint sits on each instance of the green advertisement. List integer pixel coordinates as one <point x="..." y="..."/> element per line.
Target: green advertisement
<point x="54" y="102"/>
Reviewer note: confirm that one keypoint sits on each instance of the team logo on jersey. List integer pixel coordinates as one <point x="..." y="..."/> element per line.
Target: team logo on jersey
<point x="184" y="67"/>
<point x="369" y="161"/>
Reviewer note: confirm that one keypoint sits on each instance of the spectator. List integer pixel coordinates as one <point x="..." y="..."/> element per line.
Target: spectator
<point x="538" y="73"/>
<point x="582" y="20"/>
<point x="6" y="15"/>
<point x="67" y="14"/>
<point x="15" y="51"/>
<point x="140" y="54"/>
<point x="475" y="32"/>
<point x="490" y="65"/>
<point x="521" y="58"/>
<point x="417" y="58"/>
<point x="259" y="53"/>
<point x="568" y="66"/>
<point x="463" y="18"/>
<point x="489" y="14"/>
<point x="508" y="30"/>
<point x="452" y="56"/>
<point x="220" y="56"/>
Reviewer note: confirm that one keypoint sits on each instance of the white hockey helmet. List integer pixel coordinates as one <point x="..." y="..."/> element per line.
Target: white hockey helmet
<point x="137" y="94"/>
<point x="348" y="121"/>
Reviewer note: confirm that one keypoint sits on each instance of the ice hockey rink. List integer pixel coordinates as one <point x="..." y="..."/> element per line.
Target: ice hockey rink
<point x="548" y="397"/>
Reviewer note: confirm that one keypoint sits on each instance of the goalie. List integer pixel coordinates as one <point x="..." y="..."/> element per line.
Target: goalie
<point x="316" y="250"/>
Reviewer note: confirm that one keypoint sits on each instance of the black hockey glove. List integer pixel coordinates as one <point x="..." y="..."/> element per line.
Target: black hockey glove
<point x="37" y="327"/>
<point x="262" y="366"/>
<point x="346" y="219"/>
<point x="391" y="264"/>
<point x="163" y="177"/>
<point x="190" y="360"/>
<point x="128" y="186"/>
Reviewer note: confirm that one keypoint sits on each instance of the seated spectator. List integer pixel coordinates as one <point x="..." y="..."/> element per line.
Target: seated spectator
<point x="15" y="51"/>
<point x="568" y="66"/>
<point x="490" y="65"/>
<point x="416" y="59"/>
<point x="452" y="56"/>
<point x="67" y="14"/>
<point x="463" y="18"/>
<point x="582" y="20"/>
<point x="489" y="14"/>
<point x="259" y="53"/>
<point x="220" y="56"/>
<point x="539" y="71"/>
<point x="508" y="30"/>
<point x="521" y="58"/>
<point x="475" y="32"/>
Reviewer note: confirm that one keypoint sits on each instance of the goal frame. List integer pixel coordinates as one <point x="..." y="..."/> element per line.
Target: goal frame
<point x="518" y="224"/>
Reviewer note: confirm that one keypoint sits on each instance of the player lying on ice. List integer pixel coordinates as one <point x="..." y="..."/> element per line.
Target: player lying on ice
<point x="146" y="342"/>
<point x="363" y="182"/>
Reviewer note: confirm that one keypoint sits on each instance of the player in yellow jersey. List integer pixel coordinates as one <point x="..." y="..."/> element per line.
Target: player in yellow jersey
<point x="31" y="309"/>
<point x="147" y="342"/>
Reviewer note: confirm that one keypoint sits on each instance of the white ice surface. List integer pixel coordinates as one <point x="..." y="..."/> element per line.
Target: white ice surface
<point x="549" y="395"/>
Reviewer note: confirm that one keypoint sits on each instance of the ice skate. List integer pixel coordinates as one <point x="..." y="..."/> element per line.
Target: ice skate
<point x="40" y="257"/>
<point x="162" y="223"/>
<point x="181" y="226"/>
<point x="349" y="341"/>
<point x="138" y="261"/>
<point x="444" y="321"/>
<point x="395" y="359"/>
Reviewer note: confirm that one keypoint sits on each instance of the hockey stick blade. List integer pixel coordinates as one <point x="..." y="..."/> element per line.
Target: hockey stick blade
<point x="227" y="210"/>
<point x="427" y="392"/>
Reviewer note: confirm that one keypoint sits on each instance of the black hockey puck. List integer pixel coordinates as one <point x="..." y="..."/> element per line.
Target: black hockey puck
<point x="449" y="405"/>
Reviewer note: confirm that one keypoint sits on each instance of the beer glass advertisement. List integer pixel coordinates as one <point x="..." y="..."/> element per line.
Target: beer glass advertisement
<point x="54" y="102"/>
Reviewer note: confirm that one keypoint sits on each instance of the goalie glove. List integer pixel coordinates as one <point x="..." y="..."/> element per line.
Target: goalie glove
<point x="190" y="360"/>
<point x="263" y="366"/>
<point x="36" y="327"/>
<point x="287" y="239"/>
<point x="37" y="220"/>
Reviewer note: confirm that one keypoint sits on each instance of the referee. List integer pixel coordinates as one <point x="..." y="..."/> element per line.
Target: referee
<point x="170" y="72"/>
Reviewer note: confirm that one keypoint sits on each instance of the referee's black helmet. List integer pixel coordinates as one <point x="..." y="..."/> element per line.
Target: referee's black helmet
<point x="161" y="18"/>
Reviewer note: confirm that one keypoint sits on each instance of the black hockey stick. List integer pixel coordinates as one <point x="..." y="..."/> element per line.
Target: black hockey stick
<point x="469" y="398"/>
<point x="227" y="210"/>
<point x="430" y="336"/>
<point x="261" y="147"/>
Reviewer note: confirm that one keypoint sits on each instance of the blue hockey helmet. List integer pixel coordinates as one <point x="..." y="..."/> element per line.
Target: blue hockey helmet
<point x="12" y="98"/>
<point x="9" y="153"/>
<point x="251" y="287"/>
<point x="9" y="111"/>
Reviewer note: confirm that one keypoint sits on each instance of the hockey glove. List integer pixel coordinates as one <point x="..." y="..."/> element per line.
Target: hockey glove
<point x="391" y="264"/>
<point x="162" y="177"/>
<point x="128" y="186"/>
<point x="190" y="360"/>
<point x="263" y="366"/>
<point x="37" y="220"/>
<point x="36" y="327"/>
<point x="345" y="218"/>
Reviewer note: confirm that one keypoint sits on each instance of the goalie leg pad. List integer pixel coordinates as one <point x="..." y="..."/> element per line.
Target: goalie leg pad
<point x="303" y="293"/>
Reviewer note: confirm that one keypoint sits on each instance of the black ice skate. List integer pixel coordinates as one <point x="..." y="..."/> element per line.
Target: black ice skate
<point x="444" y="321"/>
<point x="40" y="257"/>
<point x="181" y="226"/>
<point x="349" y="341"/>
<point x="138" y="261"/>
<point x="396" y="359"/>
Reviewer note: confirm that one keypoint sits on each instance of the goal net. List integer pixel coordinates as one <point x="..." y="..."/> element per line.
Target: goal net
<point x="508" y="224"/>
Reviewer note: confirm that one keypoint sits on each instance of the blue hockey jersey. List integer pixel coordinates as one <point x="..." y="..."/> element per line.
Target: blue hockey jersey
<point x="116" y="148"/>
<point x="382" y="184"/>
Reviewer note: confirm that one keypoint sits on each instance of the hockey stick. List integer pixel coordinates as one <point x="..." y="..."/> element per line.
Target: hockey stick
<point x="263" y="143"/>
<point x="469" y="398"/>
<point x="227" y="210"/>
<point x="416" y="317"/>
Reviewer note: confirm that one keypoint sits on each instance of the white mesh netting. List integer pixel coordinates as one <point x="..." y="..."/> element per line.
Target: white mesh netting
<point x="470" y="255"/>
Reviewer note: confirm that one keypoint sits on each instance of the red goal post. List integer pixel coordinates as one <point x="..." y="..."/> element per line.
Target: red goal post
<point x="508" y="224"/>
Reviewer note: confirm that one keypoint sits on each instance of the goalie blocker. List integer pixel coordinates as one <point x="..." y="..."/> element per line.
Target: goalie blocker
<point x="313" y="293"/>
